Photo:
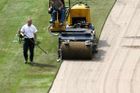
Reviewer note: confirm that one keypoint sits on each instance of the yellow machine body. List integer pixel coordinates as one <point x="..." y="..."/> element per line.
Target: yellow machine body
<point x="76" y="38"/>
<point x="79" y="11"/>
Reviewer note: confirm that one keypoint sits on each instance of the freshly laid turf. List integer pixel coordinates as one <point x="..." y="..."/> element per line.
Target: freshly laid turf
<point x="15" y="76"/>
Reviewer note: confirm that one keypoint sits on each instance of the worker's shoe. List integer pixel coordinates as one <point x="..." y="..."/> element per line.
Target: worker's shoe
<point x="25" y="62"/>
<point x="52" y="25"/>
<point x="51" y="21"/>
<point x="32" y="62"/>
<point x="61" y="24"/>
<point x="58" y="60"/>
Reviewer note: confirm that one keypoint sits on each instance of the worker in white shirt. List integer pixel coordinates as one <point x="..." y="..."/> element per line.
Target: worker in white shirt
<point x="29" y="33"/>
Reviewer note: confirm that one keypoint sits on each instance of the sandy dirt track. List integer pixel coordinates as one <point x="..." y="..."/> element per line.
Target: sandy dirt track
<point x="116" y="68"/>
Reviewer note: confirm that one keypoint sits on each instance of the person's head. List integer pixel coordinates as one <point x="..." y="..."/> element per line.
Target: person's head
<point x="29" y="22"/>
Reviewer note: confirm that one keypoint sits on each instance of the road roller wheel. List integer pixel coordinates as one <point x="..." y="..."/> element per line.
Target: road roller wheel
<point x="94" y="49"/>
<point x="76" y="50"/>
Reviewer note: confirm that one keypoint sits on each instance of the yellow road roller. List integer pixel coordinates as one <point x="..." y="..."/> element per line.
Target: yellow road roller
<point x="76" y="38"/>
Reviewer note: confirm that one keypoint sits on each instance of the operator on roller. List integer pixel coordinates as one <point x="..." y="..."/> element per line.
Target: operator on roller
<point x="28" y="31"/>
<point x="57" y="6"/>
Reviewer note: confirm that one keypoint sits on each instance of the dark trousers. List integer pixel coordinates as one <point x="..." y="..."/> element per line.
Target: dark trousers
<point x="28" y="45"/>
<point x="61" y="15"/>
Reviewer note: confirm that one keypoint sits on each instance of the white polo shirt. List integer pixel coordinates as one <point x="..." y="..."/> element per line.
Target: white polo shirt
<point x="28" y="30"/>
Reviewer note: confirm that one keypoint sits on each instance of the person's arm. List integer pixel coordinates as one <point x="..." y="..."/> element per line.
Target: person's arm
<point x="22" y="34"/>
<point x="35" y="35"/>
<point x="63" y="2"/>
<point x="50" y="3"/>
<point x="50" y="7"/>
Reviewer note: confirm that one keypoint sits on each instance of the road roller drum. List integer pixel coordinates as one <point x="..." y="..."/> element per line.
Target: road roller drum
<point x="76" y="50"/>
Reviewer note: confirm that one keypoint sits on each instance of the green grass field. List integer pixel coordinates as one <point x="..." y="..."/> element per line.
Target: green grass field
<point x="15" y="76"/>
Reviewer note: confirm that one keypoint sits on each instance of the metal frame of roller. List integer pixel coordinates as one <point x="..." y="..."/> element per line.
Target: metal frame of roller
<point x="76" y="37"/>
<point x="78" y="41"/>
<point x="77" y="44"/>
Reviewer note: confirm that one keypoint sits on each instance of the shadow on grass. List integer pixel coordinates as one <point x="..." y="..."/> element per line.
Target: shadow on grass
<point x="41" y="65"/>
